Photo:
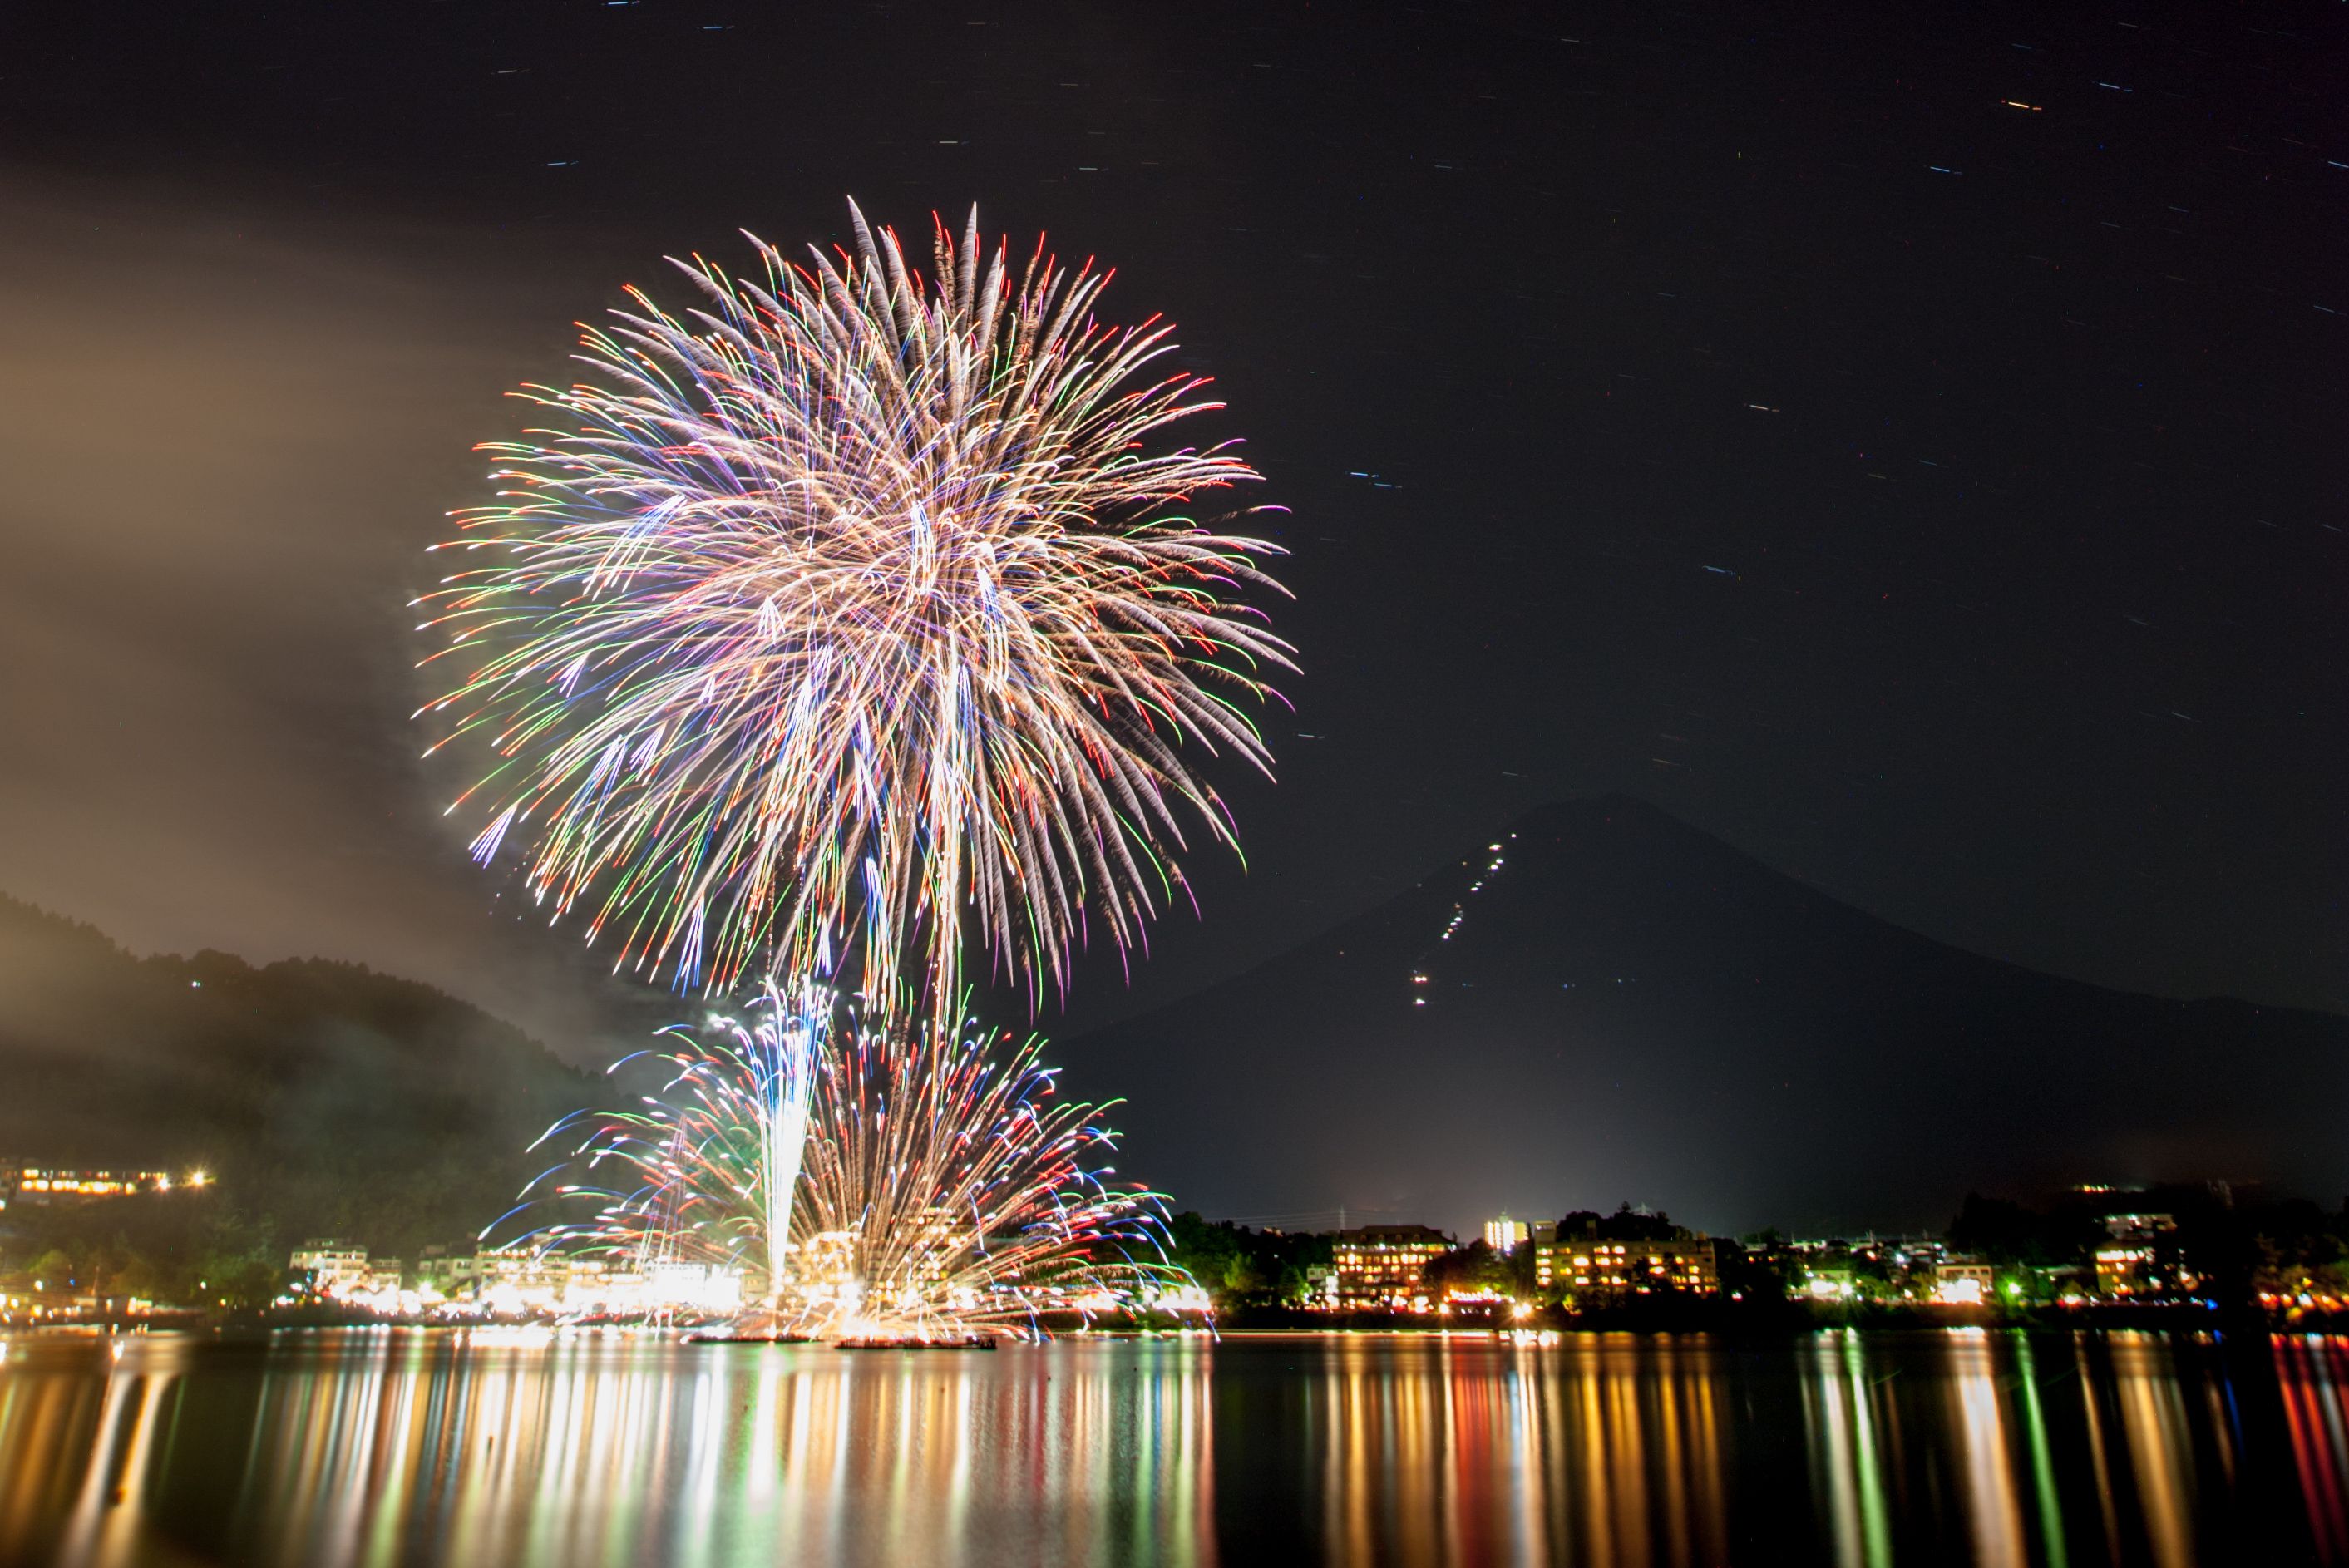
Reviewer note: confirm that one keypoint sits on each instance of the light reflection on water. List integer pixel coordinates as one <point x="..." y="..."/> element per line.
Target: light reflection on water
<point x="2311" y="1372"/>
<point x="368" y="1449"/>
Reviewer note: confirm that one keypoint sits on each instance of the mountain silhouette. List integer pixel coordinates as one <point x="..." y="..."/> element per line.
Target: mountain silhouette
<point x="327" y="1098"/>
<point x="1625" y="1008"/>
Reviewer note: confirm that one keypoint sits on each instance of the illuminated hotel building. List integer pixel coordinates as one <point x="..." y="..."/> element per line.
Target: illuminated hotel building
<point x="36" y="1185"/>
<point x="2142" y="1258"/>
<point x="1505" y="1235"/>
<point x="934" y="1239"/>
<point x="330" y="1262"/>
<point x="522" y="1279"/>
<point x="1381" y="1265"/>
<point x="1964" y="1281"/>
<point x="1585" y="1265"/>
<point x="829" y="1257"/>
<point x="539" y="1278"/>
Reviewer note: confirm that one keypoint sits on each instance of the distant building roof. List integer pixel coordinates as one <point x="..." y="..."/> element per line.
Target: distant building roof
<point x="1373" y="1235"/>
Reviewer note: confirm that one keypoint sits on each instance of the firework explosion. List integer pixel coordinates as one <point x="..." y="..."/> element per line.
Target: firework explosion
<point x="856" y="614"/>
<point x="943" y="1187"/>
<point x="848" y="609"/>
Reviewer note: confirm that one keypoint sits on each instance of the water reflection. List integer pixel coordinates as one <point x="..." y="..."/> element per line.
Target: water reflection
<point x="1605" y="1449"/>
<point x="1646" y="1451"/>
<point x="1846" y="1470"/>
<point x="2311" y="1374"/>
<point x="2124" y="1450"/>
<point x="417" y="1447"/>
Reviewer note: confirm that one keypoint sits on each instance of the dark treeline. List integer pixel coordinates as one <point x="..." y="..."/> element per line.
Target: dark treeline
<point x="2240" y="1247"/>
<point x="2245" y="1251"/>
<point x="1244" y="1268"/>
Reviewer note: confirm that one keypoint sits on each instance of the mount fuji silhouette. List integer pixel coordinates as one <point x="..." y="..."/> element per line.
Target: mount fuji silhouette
<point x="1611" y="1006"/>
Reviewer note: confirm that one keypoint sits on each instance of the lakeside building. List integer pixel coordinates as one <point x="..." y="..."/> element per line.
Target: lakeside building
<point x="1505" y="1235"/>
<point x="2138" y="1262"/>
<point x="1963" y="1282"/>
<point x="523" y="1280"/>
<point x="2142" y="1262"/>
<point x="339" y="1269"/>
<point x="826" y="1258"/>
<point x="1883" y="1271"/>
<point x="1588" y="1262"/>
<point x="822" y="1269"/>
<point x="38" y="1184"/>
<point x="1384" y="1266"/>
<point x="516" y="1275"/>
<point x="934" y="1239"/>
<point x="328" y="1260"/>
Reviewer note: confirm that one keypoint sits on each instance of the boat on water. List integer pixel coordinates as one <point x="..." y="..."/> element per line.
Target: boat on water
<point x="972" y="1342"/>
<point x="729" y="1336"/>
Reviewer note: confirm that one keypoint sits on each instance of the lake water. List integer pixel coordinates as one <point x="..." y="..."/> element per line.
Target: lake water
<point x="443" y="1447"/>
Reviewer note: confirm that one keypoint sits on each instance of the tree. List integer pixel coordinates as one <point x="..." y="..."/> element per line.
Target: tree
<point x="2005" y="1233"/>
<point x="1240" y="1267"/>
<point x="1474" y="1267"/>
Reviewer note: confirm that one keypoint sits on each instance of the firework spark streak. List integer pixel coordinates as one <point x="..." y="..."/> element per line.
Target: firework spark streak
<point x="850" y="608"/>
<point x="942" y="1186"/>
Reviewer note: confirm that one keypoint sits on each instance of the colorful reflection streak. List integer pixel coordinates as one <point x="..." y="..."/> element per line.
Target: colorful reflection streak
<point x="1998" y="1448"/>
<point x="519" y="1448"/>
<point x="2312" y="1373"/>
<point x="515" y="1450"/>
<point x="1603" y="1449"/>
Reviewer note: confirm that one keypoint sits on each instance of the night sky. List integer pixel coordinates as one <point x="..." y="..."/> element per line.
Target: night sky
<point x="1901" y="441"/>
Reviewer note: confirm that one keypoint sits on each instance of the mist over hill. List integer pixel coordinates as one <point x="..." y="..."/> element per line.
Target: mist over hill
<point x="327" y="1099"/>
<point x="1626" y="1008"/>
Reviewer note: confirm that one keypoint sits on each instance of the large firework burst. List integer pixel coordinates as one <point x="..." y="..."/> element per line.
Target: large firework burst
<point x="942" y="1186"/>
<point x="851" y="607"/>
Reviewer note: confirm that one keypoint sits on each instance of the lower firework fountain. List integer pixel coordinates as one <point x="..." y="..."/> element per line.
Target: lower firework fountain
<point x="882" y="1183"/>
